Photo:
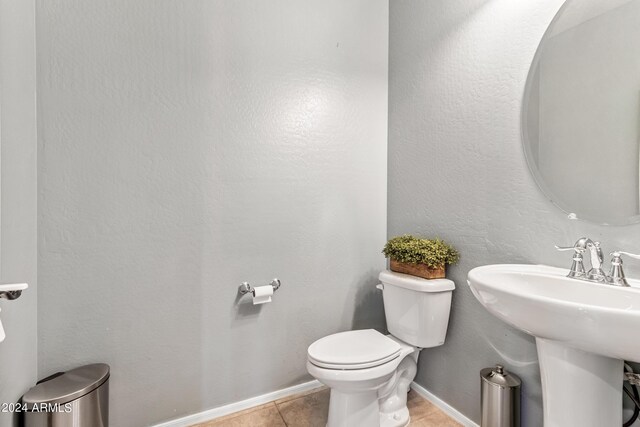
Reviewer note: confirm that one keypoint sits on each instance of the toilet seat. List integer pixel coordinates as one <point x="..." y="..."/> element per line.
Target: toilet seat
<point x="352" y="350"/>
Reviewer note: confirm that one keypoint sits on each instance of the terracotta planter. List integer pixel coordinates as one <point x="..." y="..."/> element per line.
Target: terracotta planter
<point x="420" y="270"/>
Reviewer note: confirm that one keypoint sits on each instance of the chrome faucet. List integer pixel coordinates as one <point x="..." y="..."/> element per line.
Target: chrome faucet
<point x="596" y="273"/>
<point x="577" y="268"/>
<point x="616" y="275"/>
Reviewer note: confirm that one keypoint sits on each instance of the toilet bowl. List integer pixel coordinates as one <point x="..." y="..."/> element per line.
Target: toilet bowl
<point x="369" y="373"/>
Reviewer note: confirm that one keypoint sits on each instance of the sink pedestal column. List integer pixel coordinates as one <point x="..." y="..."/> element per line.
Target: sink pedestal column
<point x="579" y="388"/>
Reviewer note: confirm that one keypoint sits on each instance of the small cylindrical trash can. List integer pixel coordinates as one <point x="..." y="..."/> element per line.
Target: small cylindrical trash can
<point x="500" y="398"/>
<point x="76" y="398"/>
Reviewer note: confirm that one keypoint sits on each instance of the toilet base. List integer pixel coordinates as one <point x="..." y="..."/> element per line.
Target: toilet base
<point x="362" y="410"/>
<point x="400" y="418"/>
<point x="392" y="398"/>
<point x="353" y="409"/>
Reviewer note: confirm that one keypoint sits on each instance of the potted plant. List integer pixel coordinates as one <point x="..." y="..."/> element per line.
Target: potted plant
<point x="424" y="258"/>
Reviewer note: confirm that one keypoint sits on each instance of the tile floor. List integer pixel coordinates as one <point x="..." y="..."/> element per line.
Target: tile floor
<point x="310" y="410"/>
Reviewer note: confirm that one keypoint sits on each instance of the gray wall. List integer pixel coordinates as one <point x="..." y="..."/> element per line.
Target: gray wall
<point x="186" y="146"/>
<point x="18" y="240"/>
<point x="457" y="170"/>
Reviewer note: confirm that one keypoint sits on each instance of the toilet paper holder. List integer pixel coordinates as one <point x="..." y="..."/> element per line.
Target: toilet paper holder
<point x="246" y="288"/>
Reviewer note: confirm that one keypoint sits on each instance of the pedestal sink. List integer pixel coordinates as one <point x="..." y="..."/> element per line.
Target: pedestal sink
<point x="584" y="331"/>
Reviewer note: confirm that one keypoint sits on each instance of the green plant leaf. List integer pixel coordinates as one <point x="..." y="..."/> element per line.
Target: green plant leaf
<point x="414" y="250"/>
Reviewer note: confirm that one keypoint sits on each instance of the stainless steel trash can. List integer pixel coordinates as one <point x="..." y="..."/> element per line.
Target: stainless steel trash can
<point x="76" y="398"/>
<point x="500" y="398"/>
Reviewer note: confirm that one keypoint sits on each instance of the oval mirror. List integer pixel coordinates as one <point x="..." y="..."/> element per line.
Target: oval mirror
<point x="581" y="113"/>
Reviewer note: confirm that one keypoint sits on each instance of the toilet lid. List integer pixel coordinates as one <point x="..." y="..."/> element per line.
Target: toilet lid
<point x="353" y="350"/>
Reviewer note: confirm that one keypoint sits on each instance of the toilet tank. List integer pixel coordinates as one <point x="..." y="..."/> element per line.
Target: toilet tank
<point x="417" y="310"/>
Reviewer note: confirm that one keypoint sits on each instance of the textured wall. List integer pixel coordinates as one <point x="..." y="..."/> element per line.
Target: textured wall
<point x="186" y="146"/>
<point x="457" y="170"/>
<point x="18" y="240"/>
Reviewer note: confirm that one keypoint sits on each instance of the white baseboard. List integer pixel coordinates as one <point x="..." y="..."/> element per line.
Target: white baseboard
<point x="221" y="411"/>
<point x="444" y="406"/>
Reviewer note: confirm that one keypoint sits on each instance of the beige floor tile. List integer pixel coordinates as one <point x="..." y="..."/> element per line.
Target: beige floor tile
<point x="418" y="406"/>
<point x="260" y="416"/>
<point x="436" y="418"/>
<point x="307" y="411"/>
<point x="310" y="409"/>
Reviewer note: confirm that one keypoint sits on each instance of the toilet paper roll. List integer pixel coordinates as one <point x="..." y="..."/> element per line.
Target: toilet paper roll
<point x="262" y="294"/>
<point x="2" y="335"/>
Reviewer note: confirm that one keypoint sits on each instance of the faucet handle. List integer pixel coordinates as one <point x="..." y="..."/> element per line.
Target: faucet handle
<point x="616" y="254"/>
<point x="577" y="267"/>
<point x="577" y="249"/>
<point x="616" y="274"/>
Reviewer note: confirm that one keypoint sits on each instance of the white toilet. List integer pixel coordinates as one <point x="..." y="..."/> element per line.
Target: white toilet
<point x="369" y="373"/>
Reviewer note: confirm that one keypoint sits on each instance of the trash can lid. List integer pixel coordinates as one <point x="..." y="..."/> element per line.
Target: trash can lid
<point x="69" y="386"/>
<point x="499" y="377"/>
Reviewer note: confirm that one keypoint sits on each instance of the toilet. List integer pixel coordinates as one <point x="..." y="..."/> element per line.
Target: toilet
<point x="369" y="373"/>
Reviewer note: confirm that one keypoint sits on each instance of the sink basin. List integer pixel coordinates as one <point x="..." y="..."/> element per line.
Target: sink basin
<point x="542" y="302"/>
<point x="583" y="333"/>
